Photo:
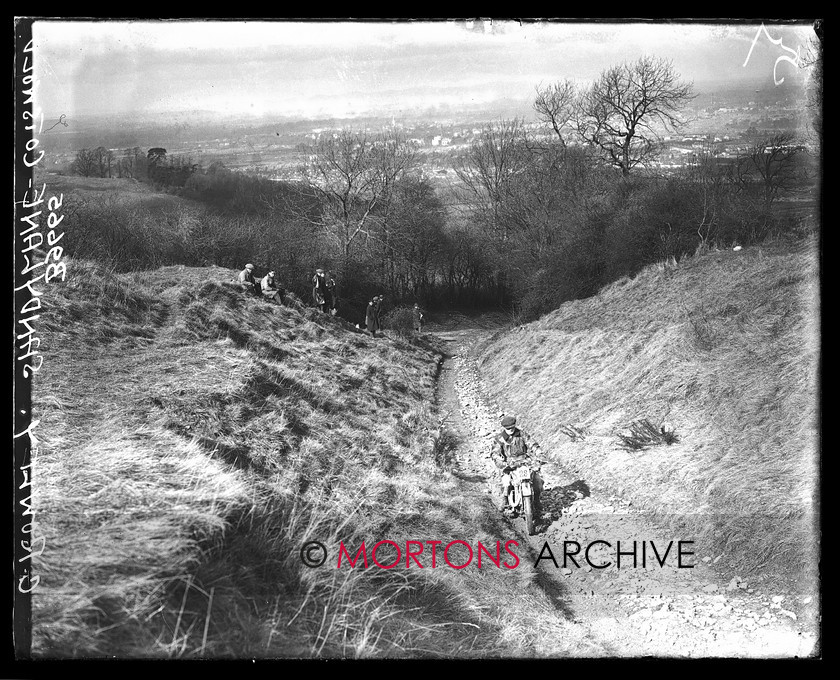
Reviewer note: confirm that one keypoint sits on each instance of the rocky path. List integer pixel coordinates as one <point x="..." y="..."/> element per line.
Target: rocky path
<point x="655" y="610"/>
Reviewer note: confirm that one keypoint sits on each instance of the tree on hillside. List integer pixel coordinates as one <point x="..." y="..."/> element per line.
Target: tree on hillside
<point x="353" y="174"/>
<point x="156" y="156"/>
<point x="618" y="114"/>
<point x="129" y="164"/>
<point x="96" y="162"/>
<point x="104" y="160"/>
<point x="530" y="201"/>
<point x="708" y="183"/>
<point x="85" y="163"/>
<point x="415" y="239"/>
<point x="555" y="105"/>
<point x="556" y="192"/>
<point x="487" y="171"/>
<point x="773" y="158"/>
<point x="393" y="157"/>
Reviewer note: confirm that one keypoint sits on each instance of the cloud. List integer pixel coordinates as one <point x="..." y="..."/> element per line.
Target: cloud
<point x="102" y="37"/>
<point x="140" y="64"/>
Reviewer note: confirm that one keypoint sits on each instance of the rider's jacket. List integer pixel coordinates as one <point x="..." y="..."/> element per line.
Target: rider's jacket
<point x="508" y="447"/>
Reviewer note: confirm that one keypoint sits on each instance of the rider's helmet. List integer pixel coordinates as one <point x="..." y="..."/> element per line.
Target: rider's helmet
<point x="508" y="421"/>
<point x="249" y="266"/>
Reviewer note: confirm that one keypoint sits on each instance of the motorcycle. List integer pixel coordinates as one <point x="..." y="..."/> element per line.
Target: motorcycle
<point x="521" y="496"/>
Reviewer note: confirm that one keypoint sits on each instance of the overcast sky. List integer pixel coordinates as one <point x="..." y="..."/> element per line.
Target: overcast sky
<point x="324" y="68"/>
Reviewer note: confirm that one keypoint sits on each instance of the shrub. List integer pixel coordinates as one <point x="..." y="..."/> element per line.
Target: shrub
<point x="400" y="320"/>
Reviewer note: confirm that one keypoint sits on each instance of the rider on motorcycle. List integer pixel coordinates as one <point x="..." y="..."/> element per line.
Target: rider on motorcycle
<point x="509" y="448"/>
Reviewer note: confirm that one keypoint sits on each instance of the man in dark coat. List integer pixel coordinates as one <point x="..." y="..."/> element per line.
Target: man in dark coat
<point x="247" y="281"/>
<point x="372" y="322"/>
<point x="331" y="298"/>
<point x="379" y="300"/>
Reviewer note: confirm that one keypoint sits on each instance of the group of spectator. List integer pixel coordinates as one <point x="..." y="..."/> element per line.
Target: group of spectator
<point x="324" y="291"/>
<point x="267" y="287"/>
<point x="324" y="296"/>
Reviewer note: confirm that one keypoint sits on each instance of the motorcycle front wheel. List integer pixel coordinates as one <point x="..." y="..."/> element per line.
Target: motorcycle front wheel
<point x="528" y="511"/>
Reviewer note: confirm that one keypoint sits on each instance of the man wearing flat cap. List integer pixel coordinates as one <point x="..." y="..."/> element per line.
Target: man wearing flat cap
<point x="247" y="281"/>
<point x="509" y="447"/>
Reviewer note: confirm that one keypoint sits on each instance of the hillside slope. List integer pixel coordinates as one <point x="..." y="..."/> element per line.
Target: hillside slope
<point x="192" y="439"/>
<point x="126" y="191"/>
<point x="724" y="349"/>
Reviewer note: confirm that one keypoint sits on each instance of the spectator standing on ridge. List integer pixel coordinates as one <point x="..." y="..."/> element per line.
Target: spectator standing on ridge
<point x="379" y="300"/>
<point x="372" y="323"/>
<point x="332" y="294"/>
<point x="247" y="281"/>
<point x="418" y="318"/>
<point x="319" y="290"/>
<point x="270" y="289"/>
<point x="509" y="447"/>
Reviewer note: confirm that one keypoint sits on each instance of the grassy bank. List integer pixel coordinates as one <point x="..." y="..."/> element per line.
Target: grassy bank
<point x="724" y="349"/>
<point x="193" y="439"/>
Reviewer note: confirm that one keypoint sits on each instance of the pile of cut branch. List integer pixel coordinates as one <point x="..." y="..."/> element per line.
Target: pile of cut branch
<point x="642" y="434"/>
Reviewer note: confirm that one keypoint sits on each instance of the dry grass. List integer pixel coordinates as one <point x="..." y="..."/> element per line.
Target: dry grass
<point x="128" y="191"/>
<point x="725" y="348"/>
<point x="192" y="439"/>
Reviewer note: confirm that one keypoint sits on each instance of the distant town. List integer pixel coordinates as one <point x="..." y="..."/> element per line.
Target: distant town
<point x="718" y="123"/>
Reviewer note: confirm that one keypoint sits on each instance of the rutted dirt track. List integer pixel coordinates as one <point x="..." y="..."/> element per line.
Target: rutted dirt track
<point x="651" y="611"/>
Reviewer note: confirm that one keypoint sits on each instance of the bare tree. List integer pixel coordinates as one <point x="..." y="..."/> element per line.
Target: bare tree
<point x="416" y="237"/>
<point x="85" y="163"/>
<point x="392" y="157"/>
<point x="620" y="112"/>
<point x="353" y="174"/>
<point x="558" y="191"/>
<point x="712" y="183"/>
<point x="773" y="156"/>
<point x="555" y="106"/>
<point x="104" y="159"/>
<point x="488" y="168"/>
<point x="109" y="160"/>
<point x="127" y="165"/>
